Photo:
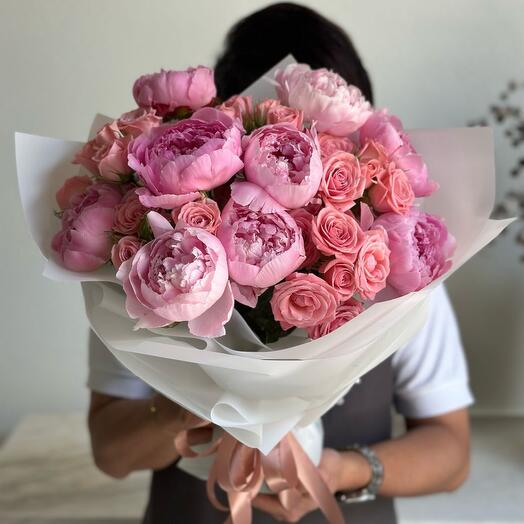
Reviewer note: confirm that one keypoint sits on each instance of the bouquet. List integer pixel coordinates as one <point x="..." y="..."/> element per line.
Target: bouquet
<point x="269" y="249"/>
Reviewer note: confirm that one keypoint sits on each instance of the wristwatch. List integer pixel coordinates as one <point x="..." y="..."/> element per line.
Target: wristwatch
<point x="369" y="492"/>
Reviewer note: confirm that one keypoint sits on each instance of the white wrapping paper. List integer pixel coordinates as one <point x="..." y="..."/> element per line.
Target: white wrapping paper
<point x="259" y="393"/>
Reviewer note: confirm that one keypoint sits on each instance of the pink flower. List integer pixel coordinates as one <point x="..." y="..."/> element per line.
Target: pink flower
<point x="201" y="213"/>
<point x="342" y="183"/>
<point x="84" y="242"/>
<point x="176" y="161"/>
<point x="373" y="161"/>
<point x="285" y="115"/>
<point x="128" y="214"/>
<point x="285" y="162"/>
<point x="181" y="275"/>
<point x="325" y="97"/>
<point x="392" y="191"/>
<point x="335" y="233"/>
<point x="345" y="312"/>
<point x="262" y="108"/>
<point x="237" y="106"/>
<point x="304" y="300"/>
<point x="330" y="144"/>
<point x="314" y="205"/>
<point x="372" y="263"/>
<point x="106" y="154"/>
<point x="387" y="130"/>
<point x="421" y="249"/>
<point x="339" y="273"/>
<point x="262" y="241"/>
<point x="124" y="249"/>
<point x="72" y="187"/>
<point x="304" y="220"/>
<point x="169" y="90"/>
<point x="138" y="121"/>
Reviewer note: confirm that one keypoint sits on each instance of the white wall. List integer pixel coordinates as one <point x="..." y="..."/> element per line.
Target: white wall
<point x="436" y="64"/>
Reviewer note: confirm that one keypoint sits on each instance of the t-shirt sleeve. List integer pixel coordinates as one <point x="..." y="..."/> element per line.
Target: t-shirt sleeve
<point x="107" y="375"/>
<point x="430" y="373"/>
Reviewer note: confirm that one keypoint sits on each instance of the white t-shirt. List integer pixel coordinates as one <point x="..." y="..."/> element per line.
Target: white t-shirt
<point x="430" y="373"/>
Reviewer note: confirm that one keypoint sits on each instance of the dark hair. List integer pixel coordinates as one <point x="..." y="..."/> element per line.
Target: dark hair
<point x="259" y="41"/>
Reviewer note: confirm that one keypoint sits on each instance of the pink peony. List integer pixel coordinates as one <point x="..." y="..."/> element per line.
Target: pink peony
<point x="176" y="161"/>
<point x="387" y="130"/>
<point x="373" y="161"/>
<point x="339" y="273"/>
<point x="262" y="241"/>
<point x="72" y="187"/>
<point x="124" y="249"/>
<point x="392" y="191"/>
<point x="84" y="242"/>
<point x="237" y="106"/>
<point x="285" y="162"/>
<point x="201" y="213"/>
<point x="330" y="144"/>
<point x="138" y="121"/>
<point x="345" y="312"/>
<point x="304" y="220"/>
<point x="335" y="233"/>
<point x="181" y="275"/>
<point x="303" y="300"/>
<point x="128" y="214"/>
<point x="372" y="263"/>
<point x="421" y="249"/>
<point x="343" y="182"/>
<point x="168" y="90"/>
<point x="325" y="97"/>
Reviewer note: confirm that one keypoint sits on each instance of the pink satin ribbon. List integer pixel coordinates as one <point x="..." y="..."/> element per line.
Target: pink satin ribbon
<point x="240" y="471"/>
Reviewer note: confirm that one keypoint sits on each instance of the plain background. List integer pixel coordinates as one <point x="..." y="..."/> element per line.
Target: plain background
<point x="436" y="64"/>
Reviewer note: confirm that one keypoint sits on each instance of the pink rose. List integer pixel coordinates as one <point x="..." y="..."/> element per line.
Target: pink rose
<point x="421" y="249"/>
<point x="168" y="90"/>
<point x="128" y="214"/>
<point x="72" y="187"/>
<point x="84" y="242"/>
<point x="201" y="213"/>
<point x="345" y="312"/>
<point x="181" y="275"/>
<point x="106" y="154"/>
<point x="387" y="130"/>
<point x="304" y="220"/>
<point x="262" y="108"/>
<point x="372" y="263"/>
<point x="285" y="115"/>
<point x="335" y="233"/>
<point x="237" y="106"/>
<point x="285" y="162"/>
<point x="373" y="161"/>
<point x="339" y="273"/>
<point x="392" y="191"/>
<point x="176" y="161"/>
<point x="124" y="249"/>
<point x="325" y="97"/>
<point x="138" y="121"/>
<point x="330" y="144"/>
<point x="263" y="242"/>
<point x="303" y="300"/>
<point x="342" y="183"/>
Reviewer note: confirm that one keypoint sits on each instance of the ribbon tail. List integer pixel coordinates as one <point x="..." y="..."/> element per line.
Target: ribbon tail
<point x="240" y="509"/>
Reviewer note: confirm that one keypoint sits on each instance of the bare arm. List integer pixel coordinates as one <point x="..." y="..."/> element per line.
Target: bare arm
<point x="129" y="435"/>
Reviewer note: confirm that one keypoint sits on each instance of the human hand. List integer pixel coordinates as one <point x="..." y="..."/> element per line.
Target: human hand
<point x="173" y="417"/>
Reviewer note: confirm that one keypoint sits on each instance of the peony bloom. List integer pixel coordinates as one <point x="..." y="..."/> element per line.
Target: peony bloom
<point x="343" y="182"/>
<point x="168" y="90"/>
<point x="124" y="249"/>
<point x="263" y="242"/>
<point x="176" y="161"/>
<point x="128" y="214"/>
<point x="330" y="144"/>
<point x="373" y="161"/>
<point x="325" y="97"/>
<point x="334" y="232"/>
<point x="304" y="220"/>
<point x="304" y="300"/>
<point x="201" y="213"/>
<point x="392" y="191"/>
<point x="84" y="242"/>
<point x="372" y="263"/>
<point x="345" y="312"/>
<point x="138" y="121"/>
<point x="339" y="273"/>
<point x="387" y="130"/>
<point x="285" y="162"/>
<point x="181" y="275"/>
<point x="421" y="249"/>
<point x="72" y="187"/>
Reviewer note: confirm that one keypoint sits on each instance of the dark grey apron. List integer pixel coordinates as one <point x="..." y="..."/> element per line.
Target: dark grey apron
<point x="364" y="417"/>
